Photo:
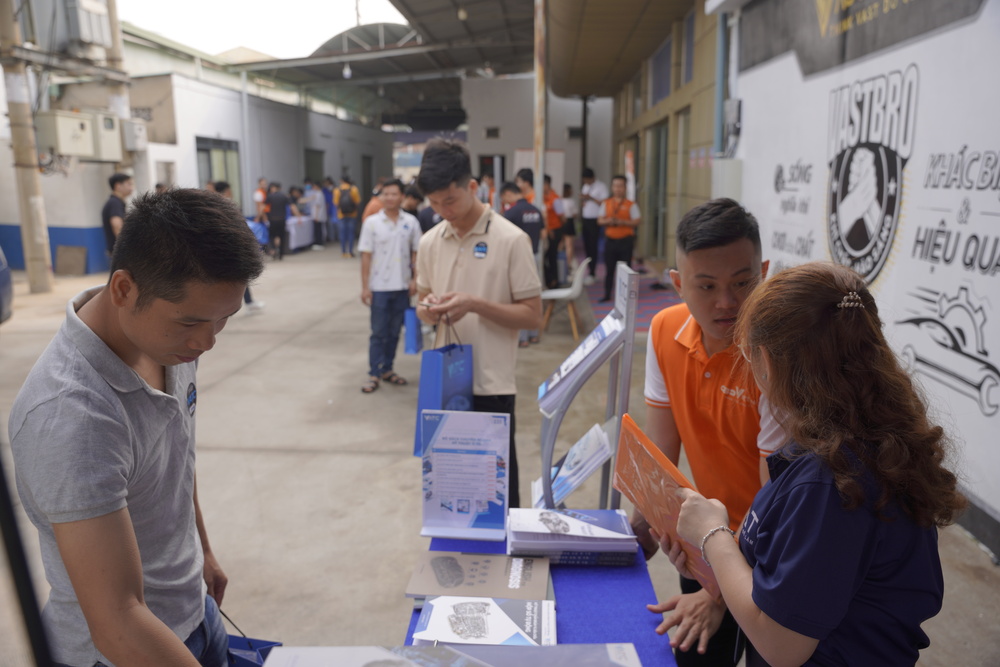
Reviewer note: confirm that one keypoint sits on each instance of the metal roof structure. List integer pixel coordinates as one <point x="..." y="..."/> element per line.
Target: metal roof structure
<point x="410" y="75"/>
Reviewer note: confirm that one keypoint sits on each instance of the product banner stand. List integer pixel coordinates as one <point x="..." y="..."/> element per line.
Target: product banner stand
<point x="612" y="341"/>
<point x="465" y="462"/>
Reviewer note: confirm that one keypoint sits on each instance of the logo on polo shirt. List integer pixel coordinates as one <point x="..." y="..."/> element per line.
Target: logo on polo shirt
<point x="192" y="398"/>
<point x="479" y="252"/>
<point x="749" y="527"/>
<point x="738" y="394"/>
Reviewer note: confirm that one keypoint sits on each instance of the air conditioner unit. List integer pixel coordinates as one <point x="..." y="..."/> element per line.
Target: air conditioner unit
<point x="134" y="137"/>
<point x="107" y="138"/>
<point x="65" y="133"/>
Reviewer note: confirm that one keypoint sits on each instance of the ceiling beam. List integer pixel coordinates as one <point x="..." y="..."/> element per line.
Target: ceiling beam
<point x="411" y="77"/>
<point x="374" y="54"/>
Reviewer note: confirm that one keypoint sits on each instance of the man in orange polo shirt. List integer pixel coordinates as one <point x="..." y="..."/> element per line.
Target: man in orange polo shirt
<point x="554" y="220"/>
<point x="697" y="393"/>
<point x="619" y="218"/>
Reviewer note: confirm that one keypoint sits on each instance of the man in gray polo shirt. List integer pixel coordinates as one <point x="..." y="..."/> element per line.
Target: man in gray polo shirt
<point x="102" y="434"/>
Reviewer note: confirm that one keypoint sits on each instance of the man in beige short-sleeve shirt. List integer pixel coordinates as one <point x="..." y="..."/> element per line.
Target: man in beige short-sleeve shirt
<point x="477" y="270"/>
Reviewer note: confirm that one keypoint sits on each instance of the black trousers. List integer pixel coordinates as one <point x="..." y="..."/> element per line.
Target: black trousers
<point x="591" y="235"/>
<point x="615" y="250"/>
<point x="722" y="647"/>
<point x="551" y="260"/>
<point x="503" y="403"/>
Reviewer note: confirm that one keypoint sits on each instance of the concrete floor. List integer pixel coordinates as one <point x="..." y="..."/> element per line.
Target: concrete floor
<point x="309" y="488"/>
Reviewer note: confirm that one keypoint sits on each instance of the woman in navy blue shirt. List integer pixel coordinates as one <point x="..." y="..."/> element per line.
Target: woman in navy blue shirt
<point x="837" y="561"/>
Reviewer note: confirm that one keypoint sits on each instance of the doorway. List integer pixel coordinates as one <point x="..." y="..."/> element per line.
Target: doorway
<point x="656" y="203"/>
<point x="219" y="160"/>
<point x="314" y="165"/>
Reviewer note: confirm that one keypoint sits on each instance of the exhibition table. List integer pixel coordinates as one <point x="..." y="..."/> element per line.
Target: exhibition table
<point x="300" y="232"/>
<point x="594" y="605"/>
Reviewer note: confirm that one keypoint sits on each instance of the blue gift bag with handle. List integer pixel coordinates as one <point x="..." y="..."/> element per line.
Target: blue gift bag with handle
<point x="246" y="651"/>
<point x="445" y="382"/>
<point x="414" y="337"/>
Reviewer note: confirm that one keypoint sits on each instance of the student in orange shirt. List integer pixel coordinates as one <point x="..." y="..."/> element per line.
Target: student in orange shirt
<point x="698" y="393"/>
<point x="553" y="233"/>
<point x="619" y="218"/>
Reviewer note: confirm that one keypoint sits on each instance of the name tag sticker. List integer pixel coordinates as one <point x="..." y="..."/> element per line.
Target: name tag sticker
<point x="479" y="252"/>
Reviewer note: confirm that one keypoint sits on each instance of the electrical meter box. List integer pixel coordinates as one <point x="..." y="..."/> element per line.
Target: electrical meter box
<point x="134" y="137"/>
<point x="107" y="138"/>
<point x="65" y="133"/>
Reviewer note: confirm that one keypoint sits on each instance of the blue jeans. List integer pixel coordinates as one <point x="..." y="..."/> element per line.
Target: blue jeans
<point x="347" y="234"/>
<point x="209" y="642"/>
<point x="388" y="309"/>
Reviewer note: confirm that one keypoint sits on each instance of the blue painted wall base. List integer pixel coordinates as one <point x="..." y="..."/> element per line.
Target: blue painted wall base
<point x="91" y="238"/>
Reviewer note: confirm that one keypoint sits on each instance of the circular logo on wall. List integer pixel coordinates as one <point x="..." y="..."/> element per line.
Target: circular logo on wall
<point x="864" y="197"/>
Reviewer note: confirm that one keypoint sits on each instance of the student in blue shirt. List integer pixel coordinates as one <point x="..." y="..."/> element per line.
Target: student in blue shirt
<point x="837" y="561"/>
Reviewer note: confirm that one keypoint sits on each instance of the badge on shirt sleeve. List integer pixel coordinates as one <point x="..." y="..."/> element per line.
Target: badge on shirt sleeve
<point x="192" y="398"/>
<point x="479" y="251"/>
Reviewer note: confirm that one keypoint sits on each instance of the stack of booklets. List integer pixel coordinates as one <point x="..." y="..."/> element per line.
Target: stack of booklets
<point x="483" y="599"/>
<point x="572" y="537"/>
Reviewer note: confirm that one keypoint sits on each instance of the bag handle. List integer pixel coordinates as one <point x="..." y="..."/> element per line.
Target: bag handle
<point x="449" y="331"/>
<point x="231" y="623"/>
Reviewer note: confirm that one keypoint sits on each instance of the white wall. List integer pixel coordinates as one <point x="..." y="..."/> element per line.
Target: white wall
<point x="936" y="208"/>
<point x="508" y="103"/>
<point x="277" y="139"/>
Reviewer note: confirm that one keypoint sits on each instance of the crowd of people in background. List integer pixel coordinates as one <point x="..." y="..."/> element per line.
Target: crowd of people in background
<point x="395" y="215"/>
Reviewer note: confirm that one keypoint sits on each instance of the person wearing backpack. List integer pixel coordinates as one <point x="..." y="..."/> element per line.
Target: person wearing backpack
<point x="347" y="198"/>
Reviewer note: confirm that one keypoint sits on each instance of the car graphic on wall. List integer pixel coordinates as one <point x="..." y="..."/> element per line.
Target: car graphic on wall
<point x="932" y="348"/>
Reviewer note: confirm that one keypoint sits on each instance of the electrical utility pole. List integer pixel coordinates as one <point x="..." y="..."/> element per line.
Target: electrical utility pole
<point x="118" y="97"/>
<point x="34" y="230"/>
<point x="541" y="102"/>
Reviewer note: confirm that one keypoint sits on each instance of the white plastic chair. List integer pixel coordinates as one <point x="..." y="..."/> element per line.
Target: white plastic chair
<point x="567" y="294"/>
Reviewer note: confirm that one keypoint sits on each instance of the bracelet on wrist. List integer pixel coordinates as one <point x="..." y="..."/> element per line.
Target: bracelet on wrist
<point x="717" y="529"/>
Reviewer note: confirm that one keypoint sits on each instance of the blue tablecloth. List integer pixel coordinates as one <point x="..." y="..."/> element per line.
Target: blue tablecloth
<point x="594" y="605"/>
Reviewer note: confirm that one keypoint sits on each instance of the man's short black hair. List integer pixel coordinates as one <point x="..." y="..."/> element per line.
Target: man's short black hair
<point x="715" y="224"/>
<point x="393" y="182"/>
<point x="588" y="172"/>
<point x="414" y="193"/>
<point x="547" y="179"/>
<point x="508" y="186"/>
<point x="445" y="162"/>
<point x="526" y="175"/>
<point x="222" y="186"/>
<point x="181" y="236"/>
<point x="115" y="179"/>
<point x="346" y="179"/>
<point x="486" y="174"/>
<point x="619" y="177"/>
<point x="274" y="185"/>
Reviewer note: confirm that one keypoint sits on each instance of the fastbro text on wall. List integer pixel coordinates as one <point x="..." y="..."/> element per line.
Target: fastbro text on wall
<point x="869" y="138"/>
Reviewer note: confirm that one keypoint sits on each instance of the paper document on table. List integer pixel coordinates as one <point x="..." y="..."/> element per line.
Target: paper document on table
<point x="647" y="477"/>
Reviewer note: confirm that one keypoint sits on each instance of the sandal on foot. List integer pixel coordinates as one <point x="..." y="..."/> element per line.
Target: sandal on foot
<point x="534" y="340"/>
<point x="522" y="343"/>
<point x="392" y="378"/>
<point x="370" y="386"/>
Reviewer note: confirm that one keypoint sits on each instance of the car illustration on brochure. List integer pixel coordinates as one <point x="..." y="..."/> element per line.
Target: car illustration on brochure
<point x="934" y="349"/>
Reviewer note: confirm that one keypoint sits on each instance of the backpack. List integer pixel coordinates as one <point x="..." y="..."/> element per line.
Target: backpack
<point x="346" y="205"/>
